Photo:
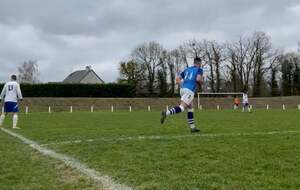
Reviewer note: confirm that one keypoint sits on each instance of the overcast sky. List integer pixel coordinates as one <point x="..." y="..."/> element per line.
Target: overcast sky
<point x="66" y="35"/>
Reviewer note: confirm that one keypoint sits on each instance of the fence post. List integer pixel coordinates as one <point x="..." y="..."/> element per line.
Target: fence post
<point x="71" y="109"/>
<point x="26" y="110"/>
<point x="299" y="107"/>
<point x="92" y="108"/>
<point x="283" y="106"/>
<point x="112" y="108"/>
<point x="149" y="108"/>
<point x="200" y="107"/>
<point x="49" y="109"/>
<point x="218" y="107"/>
<point x="267" y="106"/>
<point x="130" y="109"/>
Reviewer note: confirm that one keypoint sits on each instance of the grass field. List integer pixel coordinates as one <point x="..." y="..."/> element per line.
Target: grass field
<point x="259" y="150"/>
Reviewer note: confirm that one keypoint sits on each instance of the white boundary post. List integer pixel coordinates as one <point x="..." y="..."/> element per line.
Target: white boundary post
<point x="283" y="107"/>
<point x="49" y="109"/>
<point x="71" y="109"/>
<point x="299" y="107"/>
<point x="130" y="109"/>
<point x="218" y="107"/>
<point x="112" y="108"/>
<point x="92" y="108"/>
<point x="268" y="107"/>
<point x="26" y="110"/>
<point x="200" y="107"/>
<point x="149" y="108"/>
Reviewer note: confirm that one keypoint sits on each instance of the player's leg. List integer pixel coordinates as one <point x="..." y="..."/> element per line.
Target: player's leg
<point x="190" y="118"/>
<point x="176" y="109"/>
<point x="2" y="117"/>
<point x="4" y="113"/>
<point x="248" y="107"/>
<point x="15" y="120"/>
<point x="186" y="99"/>
<point x="14" y="108"/>
<point x="172" y="111"/>
<point x="183" y="105"/>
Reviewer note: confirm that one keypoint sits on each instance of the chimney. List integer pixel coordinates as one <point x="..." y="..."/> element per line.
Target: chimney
<point x="88" y="68"/>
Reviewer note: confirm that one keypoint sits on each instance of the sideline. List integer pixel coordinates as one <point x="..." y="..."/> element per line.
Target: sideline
<point x="104" y="180"/>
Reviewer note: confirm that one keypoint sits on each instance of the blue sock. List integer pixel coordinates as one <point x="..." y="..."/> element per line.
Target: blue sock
<point x="190" y="116"/>
<point x="174" y="110"/>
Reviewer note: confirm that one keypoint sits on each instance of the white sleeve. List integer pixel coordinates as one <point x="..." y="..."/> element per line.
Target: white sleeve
<point x="19" y="92"/>
<point x="3" y="92"/>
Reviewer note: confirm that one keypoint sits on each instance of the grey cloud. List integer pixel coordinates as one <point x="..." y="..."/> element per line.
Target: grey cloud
<point x="67" y="35"/>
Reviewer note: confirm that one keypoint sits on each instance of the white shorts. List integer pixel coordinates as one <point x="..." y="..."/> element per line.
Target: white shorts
<point x="187" y="96"/>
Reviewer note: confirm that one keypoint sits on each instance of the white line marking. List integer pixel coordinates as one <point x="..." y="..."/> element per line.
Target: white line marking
<point x="106" y="181"/>
<point x="157" y="137"/>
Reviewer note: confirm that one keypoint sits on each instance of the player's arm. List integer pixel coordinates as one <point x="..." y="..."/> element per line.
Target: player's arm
<point x="199" y="79"/>
<point x="20" y="97"/>
<point x="179" y="78"/>
<point x="3" y="92"/>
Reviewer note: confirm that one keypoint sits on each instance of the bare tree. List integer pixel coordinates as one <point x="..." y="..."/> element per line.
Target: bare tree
<point x="262" y="46"/>
<point x="231" y="66"/>
<point x="290" y="68"/>
<point x="177" y="61"/>
<point x="273" y="74"/>
<point x="214" y="56"/>
<point x="28" y="72"/>
<point x="148" y="55"/>
<point x="183" y="55"/>
<point x="162" y="73"/>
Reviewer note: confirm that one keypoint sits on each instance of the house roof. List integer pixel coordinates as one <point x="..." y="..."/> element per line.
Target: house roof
<point x="78" y="76"/>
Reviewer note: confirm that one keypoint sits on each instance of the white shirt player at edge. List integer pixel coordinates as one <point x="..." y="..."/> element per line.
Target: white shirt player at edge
<point x="245" y="98"/>
<point x="11" y="92"/>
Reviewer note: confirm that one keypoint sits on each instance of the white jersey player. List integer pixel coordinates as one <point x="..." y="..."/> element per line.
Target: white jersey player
<point x="246" y="102"/>
<point x="11" y="94"/>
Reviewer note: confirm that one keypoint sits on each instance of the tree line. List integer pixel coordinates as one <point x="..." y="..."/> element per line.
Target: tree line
<point x="250" y="63"/>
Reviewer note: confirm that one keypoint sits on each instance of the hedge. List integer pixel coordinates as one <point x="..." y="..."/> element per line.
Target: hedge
<point x="77" y="90"/>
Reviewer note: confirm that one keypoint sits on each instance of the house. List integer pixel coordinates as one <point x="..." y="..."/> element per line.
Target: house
<point x="87" y="76"/>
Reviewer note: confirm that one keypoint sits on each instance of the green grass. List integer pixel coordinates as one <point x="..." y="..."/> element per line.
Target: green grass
<point x="257" y="161"/>
<point x="23" y="168"/>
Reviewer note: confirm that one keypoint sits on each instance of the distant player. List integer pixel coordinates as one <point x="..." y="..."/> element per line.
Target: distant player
<point x="11" y="93"/>
<point x="246" y="102"/>
<point x="188" y="80"/>
<point x="236" y="102"/>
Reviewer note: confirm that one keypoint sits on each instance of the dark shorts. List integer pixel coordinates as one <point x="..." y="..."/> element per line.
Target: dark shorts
<point x="246" y="104"/>
<point x="11" y="107"/>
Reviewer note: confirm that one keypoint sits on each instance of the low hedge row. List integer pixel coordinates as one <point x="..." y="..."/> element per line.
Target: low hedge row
<point x="77" y="90"/>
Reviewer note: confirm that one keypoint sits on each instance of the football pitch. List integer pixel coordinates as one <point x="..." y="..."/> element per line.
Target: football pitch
<point x="234" y="151"/>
